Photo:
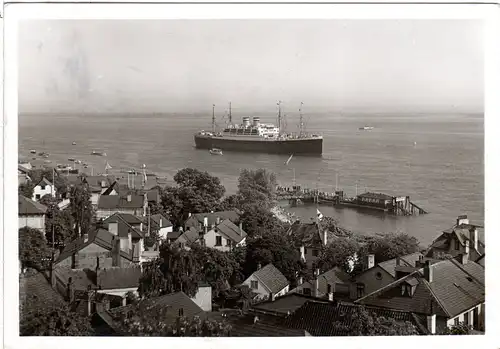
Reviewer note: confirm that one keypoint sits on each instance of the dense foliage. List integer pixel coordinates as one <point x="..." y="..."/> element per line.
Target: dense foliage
<point x="390" y="245"/>
<point x="340" y="253"/>
<point x="58" y="223"/>
<point x="257" y="187"/>
<point x="81" y="209"/>
<point x="37" y="319"/>
<point x="365" y="324"/>
<point x="33" y="250"/>
<point x="460" y="329"/>
<point x="258" y="221"/>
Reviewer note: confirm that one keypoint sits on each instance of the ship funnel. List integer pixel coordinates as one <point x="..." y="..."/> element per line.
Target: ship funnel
<point x="256" y="121"/>
<point x="246" y="121"/>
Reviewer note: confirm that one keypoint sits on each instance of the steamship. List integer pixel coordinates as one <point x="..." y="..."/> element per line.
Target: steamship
<point x="259" y="137"/>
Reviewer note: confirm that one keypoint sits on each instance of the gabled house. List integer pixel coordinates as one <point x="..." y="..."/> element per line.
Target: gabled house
<point x="332" y="284"/>
<point x="452" y="242"/>
<point x="313" y="237"/>
<point x="196" y="221"/>
<point x="128" y="231"/>
<point x="130" y="203"/>
<point x="444" y="294"/>
<point x="375" y="276"/>
<point x="268" y="282"/>
<point x="101" y="181"/>
<point x="44" y="187"/>
<point x="31" y="213"/>
<point x="160" y="223"/>
<point x="83" y="252"/>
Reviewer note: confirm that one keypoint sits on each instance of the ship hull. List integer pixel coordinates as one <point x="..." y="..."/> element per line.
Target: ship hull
<point x="302" y="146"/>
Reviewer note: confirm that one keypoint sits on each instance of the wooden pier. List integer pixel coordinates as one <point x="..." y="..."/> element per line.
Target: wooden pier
<point x="395" y="205"/>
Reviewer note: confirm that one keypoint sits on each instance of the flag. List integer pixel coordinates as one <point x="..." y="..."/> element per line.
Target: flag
<point x="144" y="173"/>
<point x="319" y="214"/>
<point x="108" y="166"/>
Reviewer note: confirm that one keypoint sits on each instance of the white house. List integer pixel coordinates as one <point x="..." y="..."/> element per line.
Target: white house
<point x="268" y="282"/>
<point x="44" y="187"/>
<point x="224" y="235"/>
<point x="31" y="214"/>
<point x="161" y="223"/>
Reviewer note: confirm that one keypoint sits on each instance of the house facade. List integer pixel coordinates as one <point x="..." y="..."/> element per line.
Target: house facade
<point x="31" y="213"/>
<point x="197" y="221"/>
<point x="44" y="187"/>
<point x="314" y="237"/>
<point x="268" y="282"/>
<point x="334" y="283"/>
<point x="224" y="236"/>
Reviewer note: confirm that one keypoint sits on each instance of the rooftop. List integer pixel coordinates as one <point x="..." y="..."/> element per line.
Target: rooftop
<point x="233" y="216"/>
<point x="30" y="207"/>
<point x="408" y="260"/>
<point x="109" y="202"/>
<point x="231" y="231"/>
<point x="379" y="196"/>
<point x="272" y="278"/>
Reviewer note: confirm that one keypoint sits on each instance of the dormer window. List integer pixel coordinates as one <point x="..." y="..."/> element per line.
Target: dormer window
<point x="407" y="290"/>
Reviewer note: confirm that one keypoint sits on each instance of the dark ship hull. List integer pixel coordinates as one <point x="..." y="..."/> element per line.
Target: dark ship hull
<point x="299" y="146"/>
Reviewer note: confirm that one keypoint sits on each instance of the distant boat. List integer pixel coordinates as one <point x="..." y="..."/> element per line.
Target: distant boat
<point x="47" y="161"/>
<point x="33" y="151"/>
<point x="72" y="159"/>
<point x="215" y="151"/>
<point x="74" y="143"/>
<point x="366" y="128"/>
<point x="78" y="161"/>
<point x="98" y="153"/>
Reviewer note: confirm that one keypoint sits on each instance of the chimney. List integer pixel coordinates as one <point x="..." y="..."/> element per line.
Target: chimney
<point x="161" y="222"/>
<point x="330" y="291"/>
<point x="129" y="240"/>
<point x="467" y="247"/>
<point x="218" y="220"/>
<point x="189" y="215"/>
<point x="241" y="228"/>
<point x="370" y="261"/>
<point x="325" y="237"/>
<point x="259" y="266"/>
<point x="97" y="270"/>
<point x="474" y="238"/>
<point x="398" y="261"/>
<point x="302" y="253"/>
<point x="316" y="283"/>
<point x="271" y="297"/>
<point x="85" y="237"/>
<point x="301" y="280"/>
<point x="113" y="228"/>
<point x="115" y="253"/>
<point x="428" y="272"/>
<point x="464" y="258"/>
<point x="462" y="219"/>
<point x="431" y="323"/>
<point x="129" y="197"/>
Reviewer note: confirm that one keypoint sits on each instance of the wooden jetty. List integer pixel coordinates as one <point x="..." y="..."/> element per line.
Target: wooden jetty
<point x="395" y="205"/>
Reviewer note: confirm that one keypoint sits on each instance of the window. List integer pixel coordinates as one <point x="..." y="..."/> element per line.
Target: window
<point x="37" y="196"/>
<point x="466" y="319"/>
<point x="329" y="288"/>
<point x="228" y="243"/>
<point x="315" y="253"/>
<point x="456" y="321"/>
<point x="360" y="290"/>
<point x="457" y="244"/>
<point x="254" y="285"/>
<point x="378" y="276"/>
<point x="42" y="186"/>
<point x="218" y="241"/>
<point x="307" y="291"/>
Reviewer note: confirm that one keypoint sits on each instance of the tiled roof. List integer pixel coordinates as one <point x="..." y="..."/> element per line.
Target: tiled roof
<point x="379" y="196"/>
<point x="173" y="234"/>
<point x="335" y="275"/>
<point x="480" y="261"/>
<point x="100" y="237"/>
<point x="127" y="217"/>
<point x="321" y="318"/>
<point x="246" y="326"/>
<point x="98" y="181"/>
<point x="231" y="231"/>
<point x="272" y="278"/>
<point x="233" y="216"/>
<point x="38" y="287"/>
<point x="164" y="221"/>
<point x="283" y="305"/>
<point x="173" y="302"/>
<point x="109" y="202"/>
<point x="408" y="260"/>
<point x="454" y="289"/>
<point x="125" y="222"/>
<point x="153" y="195"/>
<point x="30" y="207"/>
<point x="44" y="181"/>
<point x="113" y="278"/>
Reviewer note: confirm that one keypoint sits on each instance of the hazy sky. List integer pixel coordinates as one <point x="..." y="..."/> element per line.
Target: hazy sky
<point x="186" y="65"/>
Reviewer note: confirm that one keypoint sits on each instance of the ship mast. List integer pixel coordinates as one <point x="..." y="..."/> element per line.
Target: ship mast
<point x="213" y="118"/>
<point x="230" y="116"/>
<point x="279" y="117"/>
<point x="301" y="126"/>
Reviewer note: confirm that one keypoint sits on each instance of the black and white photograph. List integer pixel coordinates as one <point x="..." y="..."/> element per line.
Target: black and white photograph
<point x="251" y="177"/>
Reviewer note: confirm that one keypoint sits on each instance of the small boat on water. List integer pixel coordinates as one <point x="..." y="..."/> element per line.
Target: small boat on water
<point x="98" y="153"/>
<point x="47" y="161"/>
<point x="78" y="161"/>
<point x="366" y="128"/>
<point x="72" y="159"/>
<point x="33" y="151"/>
<point x="74" y="143"/>
<point x="215" y="151"/>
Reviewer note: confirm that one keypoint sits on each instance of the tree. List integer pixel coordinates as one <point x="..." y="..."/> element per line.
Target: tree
<point x="59" y="223"/>
<point x="459" y="329"/>
<point x="333" y="226"/>
<point x="231" y="202"/>
<point x="26" y="189"/>
<point x="339" y="253"/>
<point x="175" y="270"/>
<point x="81" y="209"/>
<point x="365" y="324"/>
<point x="40" y="320"/>
<point x="257" y="186"/>
<point x="390" y="245"/>
<point x="33" y="250"/>
<point x="258" y="221"/>
<point x="146" y="319"/>
<point x="277" y="249"/>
